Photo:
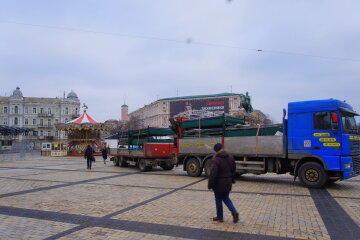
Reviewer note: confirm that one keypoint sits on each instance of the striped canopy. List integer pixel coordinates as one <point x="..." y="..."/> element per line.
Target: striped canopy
<point x="84" y="118"/>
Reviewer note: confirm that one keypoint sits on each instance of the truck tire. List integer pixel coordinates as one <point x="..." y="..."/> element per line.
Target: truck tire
<point x="312" y="175"/>
<point x="115" y="161"/>
<point x="207" y="167"/>
<point x="142" y="166"/>
<point x="193" y="168"/>
<point x="123" y="162"/>
<point x="167" y="166"/>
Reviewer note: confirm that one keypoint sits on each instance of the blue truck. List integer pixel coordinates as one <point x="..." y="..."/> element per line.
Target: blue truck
<point x="318" y="143"/>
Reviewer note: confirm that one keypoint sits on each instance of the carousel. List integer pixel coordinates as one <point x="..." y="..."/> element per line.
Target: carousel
<point x="82" y="131"/>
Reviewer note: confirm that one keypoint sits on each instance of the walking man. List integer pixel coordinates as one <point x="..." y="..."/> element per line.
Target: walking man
<point x="104" y="153"/>
<point x="221" y="178"/>
<point x="88" y="155"/>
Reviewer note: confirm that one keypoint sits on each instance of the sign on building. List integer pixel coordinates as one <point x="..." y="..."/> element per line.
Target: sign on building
<point x="199" y="108"/>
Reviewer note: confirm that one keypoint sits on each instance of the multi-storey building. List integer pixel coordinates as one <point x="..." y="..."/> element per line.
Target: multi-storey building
<point x="38" y="114"/>
<point x="157" y="113"/>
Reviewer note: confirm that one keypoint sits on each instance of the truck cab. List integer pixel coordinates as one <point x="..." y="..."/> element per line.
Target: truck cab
<point x="323" y="134"/>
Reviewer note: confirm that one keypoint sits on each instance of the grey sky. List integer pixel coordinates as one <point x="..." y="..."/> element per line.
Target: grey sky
<point x="103" y="69"/>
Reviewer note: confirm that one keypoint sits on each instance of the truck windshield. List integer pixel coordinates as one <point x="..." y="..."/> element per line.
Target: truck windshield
<point x="349" y="122"/>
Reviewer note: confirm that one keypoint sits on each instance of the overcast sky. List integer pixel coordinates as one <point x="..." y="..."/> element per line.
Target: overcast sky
<point x="184" y="47"/>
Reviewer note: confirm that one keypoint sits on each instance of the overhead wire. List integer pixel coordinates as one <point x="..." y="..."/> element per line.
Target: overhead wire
<point x="184" y="41"/>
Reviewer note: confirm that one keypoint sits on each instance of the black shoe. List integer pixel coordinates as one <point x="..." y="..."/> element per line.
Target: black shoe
<point x="235" y="217"/>
<point x="217" y="219"/>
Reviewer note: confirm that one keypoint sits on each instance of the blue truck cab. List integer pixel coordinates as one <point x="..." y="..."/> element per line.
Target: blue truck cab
<point x="323" y="139"/>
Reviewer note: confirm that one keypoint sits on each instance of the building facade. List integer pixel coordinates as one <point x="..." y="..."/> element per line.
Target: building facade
<point x="38" y="114"/>
<point x="157" y="114"/>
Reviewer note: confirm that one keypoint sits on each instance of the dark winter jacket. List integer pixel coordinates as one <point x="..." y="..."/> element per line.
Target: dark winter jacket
<point x="222" y="172"/>
<point x="104" y="152"/>
<point x="89" y="153"/>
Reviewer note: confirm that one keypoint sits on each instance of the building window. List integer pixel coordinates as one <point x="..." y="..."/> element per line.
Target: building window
<point x="49" y="122"/>
<point x="41" y="110"/>
<point x="41" y="133"/>
<point x="66" y="120"/>
<point x="41" y="122"/>
<point x="35" y="133"/>
<point x="16" y="121"/>
<point x="26" y="121"/>
<point x="49" y="133"/>
<point x="16" y="109"/>
<point x="56" y="121"/>
<point x="66" y="111"/>
<point x="56" y="133"/>
<point x="26" y="110"/>
<point x="34" y="110"/>
<point x="5" y="110"/>
<point x="5" y="121"/>
<point x="34" y="121"/>
<point x="49" y="111"/>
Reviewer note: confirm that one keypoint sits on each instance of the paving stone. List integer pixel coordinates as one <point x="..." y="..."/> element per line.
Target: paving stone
<point x="110" y="202"/>
<point x="15" y="228"/>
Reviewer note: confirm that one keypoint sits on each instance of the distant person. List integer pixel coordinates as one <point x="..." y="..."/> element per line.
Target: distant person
<point x="104" y="153"/>
<point x="221" y="178"/>
<point x="88" y="155"/>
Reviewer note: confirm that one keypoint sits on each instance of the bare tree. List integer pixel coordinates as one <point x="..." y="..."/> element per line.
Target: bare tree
<point x="134" y="123"/>
<point x="254" y="118"/>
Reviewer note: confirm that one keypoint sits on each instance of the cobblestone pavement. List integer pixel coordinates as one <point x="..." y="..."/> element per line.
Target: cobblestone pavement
<point x="58" y="198"/>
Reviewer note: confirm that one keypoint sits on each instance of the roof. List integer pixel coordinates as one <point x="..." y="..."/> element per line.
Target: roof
<point x="84" y="118"/>
<point x="202" y="96"/>
<point x="17" y="93"/>
<point x="317" y="105"/>
<point x="72" y="94"/>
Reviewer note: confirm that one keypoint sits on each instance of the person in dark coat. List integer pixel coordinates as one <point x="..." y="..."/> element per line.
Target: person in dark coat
<point x="88" y="155"/>
<point x="104" y="153"/>
<point x="221" y="178"/>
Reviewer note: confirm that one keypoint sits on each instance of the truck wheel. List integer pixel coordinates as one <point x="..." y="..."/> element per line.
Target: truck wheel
<point x="193" y="167"/>
<point x="312" y="175"/>
<point x="123" y="162"/>
<point x="207" y="167"/>
<point x="142" y="166"/>
<point x="167" y="166"/>
<point x="115" y="161"/>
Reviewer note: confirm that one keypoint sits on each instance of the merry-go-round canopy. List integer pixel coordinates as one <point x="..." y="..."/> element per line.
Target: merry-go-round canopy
<point x="84" y="122"/>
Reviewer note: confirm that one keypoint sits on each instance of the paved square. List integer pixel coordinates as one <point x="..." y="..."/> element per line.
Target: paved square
<point x="58" y="198"/>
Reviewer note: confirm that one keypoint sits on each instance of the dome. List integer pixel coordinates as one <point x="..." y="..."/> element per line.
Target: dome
<point x="17" y="93"/>
<point x="72" y="94"/>
<point x="124" y="106"/>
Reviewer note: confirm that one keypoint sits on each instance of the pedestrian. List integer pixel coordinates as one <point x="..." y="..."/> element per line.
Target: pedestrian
<point x="104" y="153"/>
<point x="221" y="178"/>
<point x="88" y="155"/>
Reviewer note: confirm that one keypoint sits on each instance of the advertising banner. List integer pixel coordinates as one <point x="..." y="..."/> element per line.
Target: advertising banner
<point x="199" y="108"/>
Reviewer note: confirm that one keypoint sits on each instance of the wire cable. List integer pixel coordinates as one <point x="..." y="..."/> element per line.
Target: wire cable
<point x="186" y="41"/>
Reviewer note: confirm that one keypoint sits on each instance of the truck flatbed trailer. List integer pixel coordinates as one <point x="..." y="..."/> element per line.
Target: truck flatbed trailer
<point x="145" y="148"/>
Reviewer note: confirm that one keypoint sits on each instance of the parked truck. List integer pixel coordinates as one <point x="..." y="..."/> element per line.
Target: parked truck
<point x="145" y="148"/>
<point x="318" y="142"/>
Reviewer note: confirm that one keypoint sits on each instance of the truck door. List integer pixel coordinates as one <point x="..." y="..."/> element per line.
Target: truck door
<point x="326" y="138"/>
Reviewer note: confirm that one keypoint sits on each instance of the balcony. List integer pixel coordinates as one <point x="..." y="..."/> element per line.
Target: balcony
<point x="48" y="115"/>
<point x="74" y="116"/>
<point x="45" y="126"/>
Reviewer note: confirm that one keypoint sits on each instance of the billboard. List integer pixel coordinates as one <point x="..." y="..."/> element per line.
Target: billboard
<point x="199" y="108"/>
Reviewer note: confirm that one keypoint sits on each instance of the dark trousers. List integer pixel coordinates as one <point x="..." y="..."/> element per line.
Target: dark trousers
<point x="89" y="161"/>
<point x="223" y="197"/>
